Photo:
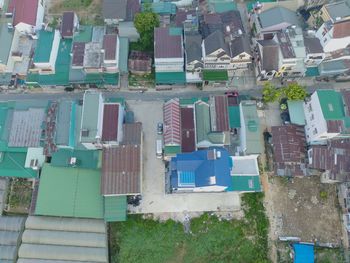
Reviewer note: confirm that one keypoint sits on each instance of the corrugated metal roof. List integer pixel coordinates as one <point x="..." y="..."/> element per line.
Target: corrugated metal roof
<point x="78" y="189"/>
<point x="188" y="140"/>
<point x="123" y="54"/>
<point x="110" y="122"/>
<point x="203" y="127"/>
<point x="115" y="208"/>
<point x="170" y="78"/>
<point x="331" y="104"/>
<point x="88" y="159"/>
<point x="132" y="133"/>
<point x="67" y="25"/>
<point x="246" y="183"/>
<point x="167" y="45"/>
<point x="296" y="112"/>
<point x="121" y="170"/>
<point x="110" y="46"/>
<point x="90" y="116"/>
<point x="171" y="118"/>
<point x="221" y="114"/>
<point x="25" y="11"/>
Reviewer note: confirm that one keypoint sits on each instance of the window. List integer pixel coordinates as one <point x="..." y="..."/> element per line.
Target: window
<point x="314" y="131"/>
<point x="309" y="107"/>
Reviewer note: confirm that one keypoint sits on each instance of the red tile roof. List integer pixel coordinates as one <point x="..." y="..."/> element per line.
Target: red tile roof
<point x="25" y="11"/>
<point x="121" y="170"/>
<point x="188" y="142"/>
<point x="341" y="29"/>
<point x="110" y="122"/>
<point x="110" y="46"/>
<point x="172" y="134"/>
<point x="221" y="111"/>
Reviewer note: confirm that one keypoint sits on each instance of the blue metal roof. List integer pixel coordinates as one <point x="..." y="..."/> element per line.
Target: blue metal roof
<point x="200" y="167"/>
<point x="304" y="253"/>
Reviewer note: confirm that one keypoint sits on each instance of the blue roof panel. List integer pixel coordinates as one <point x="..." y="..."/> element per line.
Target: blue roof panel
<point x="304" y="253"/>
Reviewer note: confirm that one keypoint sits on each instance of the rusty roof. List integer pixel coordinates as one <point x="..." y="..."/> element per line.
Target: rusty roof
<point x="110" y="46"/>
<point x="188" y="141"/>
<point x="121" y="170"/>
<point x="110" y="122"/>
<point x="167" y="45"/>
<point x="346" y="99"/>
<point x="335" y="126"/>
<point x="78" y="54"/>
<point x="333" y="157"/>
<point x="221" y="113"/>
<point x="289" y="147"/>
<point x="25" y="11"/>
<point x="67" y="25"/>
<point x="132" y="133"/>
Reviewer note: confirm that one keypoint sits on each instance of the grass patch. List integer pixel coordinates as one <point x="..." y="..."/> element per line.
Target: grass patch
<point x="329" y="255"/>
<point x="76" y="3"/>
<point x="146" y="80"/>
<point x="211" y="239"/>
<point x="20" y="195"/>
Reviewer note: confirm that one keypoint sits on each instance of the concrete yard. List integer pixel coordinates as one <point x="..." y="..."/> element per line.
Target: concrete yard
<point x="154" y="199"/>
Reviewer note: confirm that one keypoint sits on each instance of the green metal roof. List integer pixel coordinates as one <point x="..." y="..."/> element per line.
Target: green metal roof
<point x="70" y="192"/>
<point x="312" y="72"/>
<point x="221" y="6"/>
<point x="115" y="208"/>
<point x="123" y="54"/>
<point x="246" y="183"/>
<point x="84" y="35"/>
<point x="170" y="77"/>
<point x="175" y="31"/>
<point x="202" y="121"/>
<point x="44" y="46"/>
<point x="191" y="101"/>
<point x="234" y="116"/>
<point x="252" y="128"/>
<point x="215" y="75"/>
<point x="162" y="8"/>
<point x="331" y="104"/>
<point x="250" y="5"/>
<point x="61" y="76"/>
<point x="296" y="111"/>
<point x="6" y="41"/>
<point x="88" y="159"/>
<point x="172" y="150"/>
<point x="12" y="165"/>
<point x="90" y="115"/>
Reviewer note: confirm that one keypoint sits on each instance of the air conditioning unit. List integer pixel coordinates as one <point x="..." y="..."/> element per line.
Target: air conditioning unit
<point x="73" y="161"/>
<point x="34" y="164"/>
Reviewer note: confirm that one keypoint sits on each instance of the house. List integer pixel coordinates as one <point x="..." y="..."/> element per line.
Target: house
<point x="139" y="62"/>
<point x="250" y="132"/>
<point x="220" y="6"/>
<point x="219" y="115"/>
<point x="113" y="117"/>
<point x="193" y="57"/>
<point x="334" y="67"/>
<point x="69" y="24"/>
<point x="172" y="128"/>
<point x="273" y="20"/>
<point x="325" y="117"/>
<point x="289" y="150"/>
<point x="114" y="11"/>
<point x="20" y="57"/>
<point x="245" y="174"/>
<point x="335" y="11"/>
<point x="188" y="129"/>
<point x="334" y="35"/>
<point x="30" y="12"/>
<point x="188" y="19"/>
<point x="111" y="48"/>
<point x="169" y="55"/>
<point x="201" y="171"/>
<point x="267" y="59"/>
<point x="206" y="137"/>
<point x="314" y="51"/>
<point x="296" y="112"/>
<point x="332" y="160"/>
<point x="66" y="239"/>
<point x="46" y="52"/>
<point x="91" y="120"/>
<point x="241" y="54"/>
<point x="6" y="40"/>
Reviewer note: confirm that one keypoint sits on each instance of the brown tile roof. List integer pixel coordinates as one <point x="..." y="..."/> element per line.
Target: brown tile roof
<point x="110" y="122"/>
<point x="67" y="25"/>
<point x="78" y="54"/>
<point x="121" y="170"/>
<point x="335" y="126"/>
<point x="221" y="113"/>
<point x="110" y="46"/>
<point x="341" y="29"/>
<point x="289" y="147"/>
<point x="333" y="158"/>
<point x="132" y="133"/>
<point x="166" y="45"/>
<point x="188" y="141"/>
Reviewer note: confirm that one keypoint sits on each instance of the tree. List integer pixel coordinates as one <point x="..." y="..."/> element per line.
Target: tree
<point x="294" y="91"/>
<point x="145" y="23"/>
<point x="270" y="93"/>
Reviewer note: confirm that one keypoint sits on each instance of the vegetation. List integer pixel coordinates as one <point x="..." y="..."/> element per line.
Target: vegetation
<point x="76" y="3"/>
<point x="292" y="91"/>
<point x="329" y="255"/>
<point x="20" y="195"/>
<point x="210" y="240"/>
<point x="323" y="195"/>
<point x="145" y="23"/>
<point x="145" y="80"/>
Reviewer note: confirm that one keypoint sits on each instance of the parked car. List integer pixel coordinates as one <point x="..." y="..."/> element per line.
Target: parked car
<point x="160" y="128"/>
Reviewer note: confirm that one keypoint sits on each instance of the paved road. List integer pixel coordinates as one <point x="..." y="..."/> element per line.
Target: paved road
<point x="157" y="95"/>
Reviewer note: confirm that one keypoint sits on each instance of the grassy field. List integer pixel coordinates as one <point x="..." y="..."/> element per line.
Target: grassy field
<point x="211" y="240"/>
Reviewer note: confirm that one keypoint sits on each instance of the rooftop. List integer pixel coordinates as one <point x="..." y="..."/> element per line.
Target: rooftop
<point x="193" y="47"/>
<point x="121" y="170"/>
<point x="110" y="46"/>
<point x="12" y="164"/>
<point x="69" y="192"/>
<point x="338" y="10"/>
<point x="167" y="45"/>
<point x="188" y="140"/>
<point x="44" y="46"/>
<point x="24" y="11"/>
<point x="67" y="26"/>
<point x="221" y="118"/>
<point x="341" y="29"/>
<point x="132" y="133"/>
<point x="90" y="116"/>
<point x="87" y="159"/>
<point x="78" y="54"/>
<point x="93" y="55"/>
<point x="331" y="104"/>
<point x="112" y="9"/>
<point x="312" y="45"/>
<point x="110" y="122"/>
<point x="276" y="16"/>
<point x="296" y="112"/>
<point x="6" y="41"/>
<point x="171" y="118"/>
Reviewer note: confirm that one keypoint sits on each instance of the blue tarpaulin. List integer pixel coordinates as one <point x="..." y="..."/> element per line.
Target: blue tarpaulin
<point x="303" y="253"/>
